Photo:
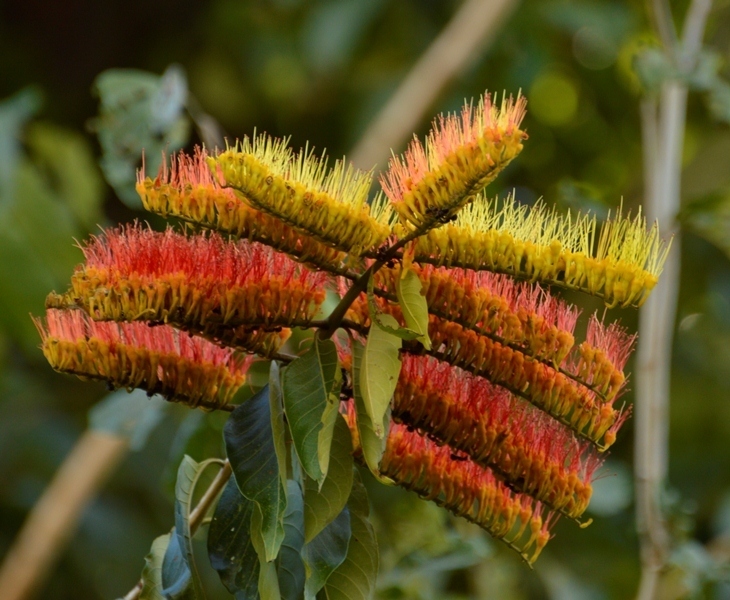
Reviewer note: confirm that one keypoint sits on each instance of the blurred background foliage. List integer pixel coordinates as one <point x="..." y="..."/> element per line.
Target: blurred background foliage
<point x="71" y="133"/>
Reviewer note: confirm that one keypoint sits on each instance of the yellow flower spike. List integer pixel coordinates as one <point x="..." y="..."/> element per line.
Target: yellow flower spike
<point x="463" y="154"/>
<point x="539" y="244"/>
<point x="187" y="190"/>
<point x="330" y="206"/>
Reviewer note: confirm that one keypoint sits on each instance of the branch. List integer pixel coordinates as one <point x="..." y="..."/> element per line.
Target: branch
<point x="663" y="137"/>
<point x="470" y="29"/>
<point x="196" y="515"/>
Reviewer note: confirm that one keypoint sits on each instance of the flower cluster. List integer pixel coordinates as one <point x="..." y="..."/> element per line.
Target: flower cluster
<point x="496" y="411"/>
<point x="330" y="206"/>
<point x="463" y="153"/>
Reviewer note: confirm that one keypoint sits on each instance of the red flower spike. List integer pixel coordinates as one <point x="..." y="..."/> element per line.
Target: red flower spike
<point x="160" y="359"/>
<point x="600" y="360"/>
<point x="516" y="314"/>
<point x="188" y="190"/>
<point x="549" y="389"/>
<point x="524" y="446"/>
<point x="450" y="479"/>
<point x="543" y="386"/>
<point x="463" y="153"/>
<point x="202" y="283"/>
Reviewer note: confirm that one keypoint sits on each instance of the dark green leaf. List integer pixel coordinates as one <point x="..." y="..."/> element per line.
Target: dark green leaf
<point x="307" y="383"/>
<point x="230" y="548"/>
<point x="152" y="572"/>
<point x="325" y="553"/>
<point x="278" y="426"/>
<point x="355" y="578"/>
<point x="179" y="575"/>
<point x="178" y="582"/>
<point x="251" y="449"/>
<point x="290" y="566"/>
<point x="268" y="584"/>
<point x="321" y="506"/>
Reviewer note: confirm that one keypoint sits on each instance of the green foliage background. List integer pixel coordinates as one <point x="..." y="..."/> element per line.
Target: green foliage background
<point x="319" y="70"/>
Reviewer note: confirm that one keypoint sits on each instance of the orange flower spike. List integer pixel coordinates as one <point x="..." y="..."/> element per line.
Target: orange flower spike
<point x="463" y="153"/>
<point x="158" y="359"/>
<point x="188" y="190"/>
<point x="459" y="485"/>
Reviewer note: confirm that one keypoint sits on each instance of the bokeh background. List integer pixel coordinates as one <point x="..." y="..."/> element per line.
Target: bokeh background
<point x="320" y="71"/>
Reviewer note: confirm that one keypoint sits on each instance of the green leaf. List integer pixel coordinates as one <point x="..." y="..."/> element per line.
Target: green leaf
<point x="251" y="448"/>
<point x="653" y="68"/>
<point x="321" y="506"/>
<point x="178" y="582"/>
<point x="372" y="446"/>
<point x="329" y="418"/>
<point x="325" y="553"/>
<point x="179" y="575"/>
<point x="138" y="112"/>
<point x="278" y="426"/>
<point x="355" y="578"/>
<point x="376" y="316"/>
<point x="413" y="304"/>
<point x="307" y="383"/>
<point x="289" y="563"/>
<point x="230" y="548"/>
<point x="379" y="372"/>
<point x="268" y="584"/>
<point x="152" y="572"/>
<point x="131" y="415"/>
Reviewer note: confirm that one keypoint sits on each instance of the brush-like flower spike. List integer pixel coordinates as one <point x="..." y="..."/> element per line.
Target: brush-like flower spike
<point x="521" y="315"/>
<point x="541" y="385"/>
<point x="541" y="245"/>
<point x="329" y="205"/>
<point x="462" y="155"/>
<point x="600" y="360"/>
<point x="187" y="190"/>
<point x="202" y="283"/>
<point x="160" y="359"/>
<point x="557" y="392"/>
<point x="526" y="448"/>
<point x="451" y="479"/>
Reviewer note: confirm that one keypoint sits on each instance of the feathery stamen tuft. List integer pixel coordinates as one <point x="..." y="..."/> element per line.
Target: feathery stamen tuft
<point x="540" y="244"/>
<point x="225" y="291"/>
<point x="329" y="205"/>
<point x="462" y="155"/>
<point x="161" y="360"/>
<point x="187" y="190"/>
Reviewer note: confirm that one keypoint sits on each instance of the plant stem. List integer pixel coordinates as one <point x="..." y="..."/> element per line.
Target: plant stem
<point x="338" y="314"/>
<point x="663" y="126"/>
<point x="196" y="515"/>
